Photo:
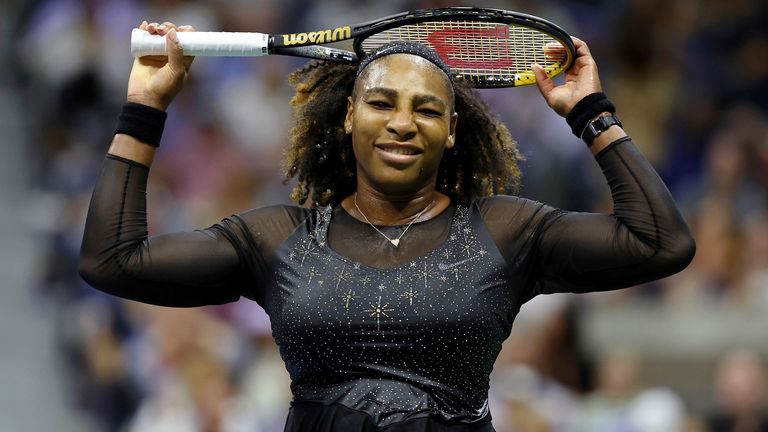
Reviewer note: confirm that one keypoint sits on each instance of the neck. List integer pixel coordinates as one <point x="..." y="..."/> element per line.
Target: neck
<point x="387" y="209"/>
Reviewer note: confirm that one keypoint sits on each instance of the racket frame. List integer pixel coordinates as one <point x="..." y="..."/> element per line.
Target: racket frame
<point x="360" y="32"/>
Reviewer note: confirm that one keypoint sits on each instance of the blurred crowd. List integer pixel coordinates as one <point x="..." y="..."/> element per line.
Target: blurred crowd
<point x="689" y="78"/>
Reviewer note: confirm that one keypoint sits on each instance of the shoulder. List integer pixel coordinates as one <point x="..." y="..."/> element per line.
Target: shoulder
<point x="508" y="207"/>
<point x="263" y="229"/>
<point x="271" y="222"/>
<point x="274" y="215"/>
<point x="510" y="217"/>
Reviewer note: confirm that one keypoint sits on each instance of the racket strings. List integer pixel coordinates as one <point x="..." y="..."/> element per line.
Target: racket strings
<point x="479" y="50"/>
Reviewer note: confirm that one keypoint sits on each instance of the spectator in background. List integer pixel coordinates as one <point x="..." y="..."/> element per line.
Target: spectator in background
<point x="740" y="391"/>
<point x="617" y="382"/>
<point x="719" y="204"/>
<point x="535" y="381"/>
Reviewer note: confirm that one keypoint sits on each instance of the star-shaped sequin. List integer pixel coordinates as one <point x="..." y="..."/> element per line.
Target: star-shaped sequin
<point x="426" y="274"/>
<point x="348" y="297"/>
<point x="410" y="295"/>
<point x="341" y="275"/>
<point x="378" y="310"/>
<point x="305" y="249"/>
<point x="313" y="272"/>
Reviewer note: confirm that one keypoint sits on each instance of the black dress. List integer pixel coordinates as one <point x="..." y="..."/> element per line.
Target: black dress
<point x="377" y="337"/>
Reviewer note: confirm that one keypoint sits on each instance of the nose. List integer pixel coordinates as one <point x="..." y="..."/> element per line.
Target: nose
<point x="401" y="124"/>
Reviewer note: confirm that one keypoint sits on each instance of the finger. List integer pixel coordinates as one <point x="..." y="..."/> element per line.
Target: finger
<point x="543" y="82"/>
<point x="554" y="51"/>
<point x="143" y="25"/>
<point x="581" y="47"/>
<point x="187" y="59"/>
<point x="152" y="27"/>
<point x="175" y="52"/>
<point x="584" y="59"/>
<point x="165" y="27"/>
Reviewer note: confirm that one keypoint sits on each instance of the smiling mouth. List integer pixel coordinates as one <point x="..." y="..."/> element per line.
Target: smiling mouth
<point x="399" y="149"/>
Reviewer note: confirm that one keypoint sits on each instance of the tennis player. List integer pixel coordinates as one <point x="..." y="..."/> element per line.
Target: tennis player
<point x="394" y="281"/>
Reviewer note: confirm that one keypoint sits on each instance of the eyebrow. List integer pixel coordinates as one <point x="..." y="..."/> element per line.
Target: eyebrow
<point x="417" y="100"/>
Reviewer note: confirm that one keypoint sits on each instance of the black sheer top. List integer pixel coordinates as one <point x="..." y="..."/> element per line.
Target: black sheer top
<point x="377" y="337"/>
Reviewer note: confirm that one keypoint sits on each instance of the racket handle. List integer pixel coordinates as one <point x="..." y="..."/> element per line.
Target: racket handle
<point x="205" y="44"/>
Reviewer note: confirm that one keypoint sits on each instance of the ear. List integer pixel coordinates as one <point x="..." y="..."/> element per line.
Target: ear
<point x="348" y="119"/>
<point x="452" y="131"/>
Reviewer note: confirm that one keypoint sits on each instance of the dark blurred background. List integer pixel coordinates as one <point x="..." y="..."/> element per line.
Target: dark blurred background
<point x="689" y="78"/>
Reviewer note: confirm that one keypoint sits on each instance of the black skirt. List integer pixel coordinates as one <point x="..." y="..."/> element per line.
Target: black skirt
<point x="318" y="417"/>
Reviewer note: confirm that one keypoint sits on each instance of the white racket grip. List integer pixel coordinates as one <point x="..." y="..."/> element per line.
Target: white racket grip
<point x="205" y="44"/>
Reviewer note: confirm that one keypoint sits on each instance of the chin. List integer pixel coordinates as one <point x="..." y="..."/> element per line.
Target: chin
<point x="403" y="184"/>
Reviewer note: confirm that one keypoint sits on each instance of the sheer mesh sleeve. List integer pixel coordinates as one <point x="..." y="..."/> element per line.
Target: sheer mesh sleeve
<point x="644" y="239"/>
<point x="202" y="267"/>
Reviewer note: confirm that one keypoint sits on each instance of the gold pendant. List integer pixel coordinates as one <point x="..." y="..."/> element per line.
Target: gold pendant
<point x="395" y="242"/>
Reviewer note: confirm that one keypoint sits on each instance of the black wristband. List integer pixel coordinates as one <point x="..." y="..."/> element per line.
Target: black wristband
<point x="586" y="109"/>
<point x="142" y="122"/>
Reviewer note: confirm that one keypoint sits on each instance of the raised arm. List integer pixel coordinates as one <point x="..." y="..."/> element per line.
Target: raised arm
<point x="180" y="269"/>
<point x="117" y="255"/>
<point x="645" y="238"/>
<point x="154" y="82"/>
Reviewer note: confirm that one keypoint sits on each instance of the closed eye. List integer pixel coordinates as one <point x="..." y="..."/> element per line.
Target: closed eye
<point x="379" y="104"/>
<point x="431" y="112"/>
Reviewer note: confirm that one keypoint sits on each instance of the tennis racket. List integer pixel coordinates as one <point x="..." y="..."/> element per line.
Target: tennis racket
<point x="486" y="47"/>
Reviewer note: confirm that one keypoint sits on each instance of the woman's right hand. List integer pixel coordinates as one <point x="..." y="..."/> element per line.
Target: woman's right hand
<point x="156" y="80"/>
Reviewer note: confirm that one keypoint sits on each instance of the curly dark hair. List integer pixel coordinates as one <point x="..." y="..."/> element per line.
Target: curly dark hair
<point x="482" y="162"/>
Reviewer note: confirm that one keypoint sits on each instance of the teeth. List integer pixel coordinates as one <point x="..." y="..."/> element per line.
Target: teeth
<point x="399" y="151"/>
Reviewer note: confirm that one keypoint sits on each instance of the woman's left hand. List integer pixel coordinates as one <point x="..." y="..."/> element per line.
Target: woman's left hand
<point x="581" y="79"/>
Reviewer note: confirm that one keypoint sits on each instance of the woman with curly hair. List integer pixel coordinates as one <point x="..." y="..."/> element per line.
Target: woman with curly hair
<point x="321" y="150"/>
<point x="393" y="286"/>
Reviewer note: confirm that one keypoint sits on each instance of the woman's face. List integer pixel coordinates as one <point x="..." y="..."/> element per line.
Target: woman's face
<point x="401" y="119"/>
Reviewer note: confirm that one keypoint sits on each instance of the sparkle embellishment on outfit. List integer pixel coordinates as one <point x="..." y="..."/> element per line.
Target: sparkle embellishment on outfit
<point x="426" y="274"/>
<point x="366" y="328"/>
<point x="349" y="296"/>
<point x="410" y="295"/>
<point x="377" y="311"/>
<point x="313" y="272"/>
<point x="305" y="249"/>
<point x="341" y="276"/>
<point x="396" y="241"/>
<point x="323" y="218"/>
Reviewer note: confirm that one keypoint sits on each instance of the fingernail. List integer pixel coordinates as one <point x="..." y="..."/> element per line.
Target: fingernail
<point x="161" y="27"/>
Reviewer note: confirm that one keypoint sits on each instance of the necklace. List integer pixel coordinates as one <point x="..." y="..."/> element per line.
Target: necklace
<point x="396" y="241"/>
